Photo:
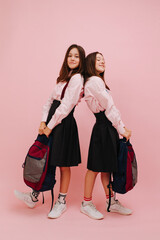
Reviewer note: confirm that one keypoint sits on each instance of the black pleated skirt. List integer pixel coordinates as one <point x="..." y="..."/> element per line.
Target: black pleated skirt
<point x="65" y="149"/>
<point x="102" y="156"/>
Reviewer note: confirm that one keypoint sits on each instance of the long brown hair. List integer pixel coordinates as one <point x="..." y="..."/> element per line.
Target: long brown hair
<point x="64" y="74"/>
<point x="90" y="69"/>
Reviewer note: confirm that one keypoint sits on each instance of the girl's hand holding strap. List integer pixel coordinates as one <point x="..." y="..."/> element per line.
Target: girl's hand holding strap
<point x="127" y="134"/>
<point x="42" y="127"/>
<point x="47" y="131"/>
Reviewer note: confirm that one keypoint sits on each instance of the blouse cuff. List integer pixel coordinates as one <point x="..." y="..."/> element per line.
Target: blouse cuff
<point x="44" y="118"/>
<point x="122" y="124"/>
<point x="50" y="125"/>
<point x="120" y="128"/>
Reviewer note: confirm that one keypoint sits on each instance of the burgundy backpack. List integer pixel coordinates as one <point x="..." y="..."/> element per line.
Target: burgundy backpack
<point x="37" y="174"/>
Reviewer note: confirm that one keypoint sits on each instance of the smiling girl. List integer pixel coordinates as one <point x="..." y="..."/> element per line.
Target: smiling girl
<point x="58" y="120"/>
<point x="102" y="155"/>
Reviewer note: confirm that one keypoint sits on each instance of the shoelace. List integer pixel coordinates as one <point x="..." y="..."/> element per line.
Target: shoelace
<point x="26" y="198"/>
<point x="56" y="205"/>
<point x="93" y="207"/>
<point x="118" y="203"/>
<point x="115" y="202"/>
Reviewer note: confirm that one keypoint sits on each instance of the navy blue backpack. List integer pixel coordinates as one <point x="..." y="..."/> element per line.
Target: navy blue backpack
<point x="126" y="177"/>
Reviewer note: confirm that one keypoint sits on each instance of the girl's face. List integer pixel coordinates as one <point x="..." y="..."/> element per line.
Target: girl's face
<point x="73" y="59"/>
<point x="100" y="63"/>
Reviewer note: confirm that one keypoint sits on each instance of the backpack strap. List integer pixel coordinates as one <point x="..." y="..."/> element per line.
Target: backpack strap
<point x="63" y="91"/>
<point x="42" y="198"/>
<point x="52" y="194"/>
<point x="109" y="187"/>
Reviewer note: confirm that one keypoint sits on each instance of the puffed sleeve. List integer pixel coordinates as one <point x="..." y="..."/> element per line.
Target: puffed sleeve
<point x="97" y="88"/>
<point x="70" y="99"/>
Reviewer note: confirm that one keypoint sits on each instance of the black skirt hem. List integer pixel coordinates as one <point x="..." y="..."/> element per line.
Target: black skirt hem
<point x="99" y="170"/>
<point x="68" y="165"/>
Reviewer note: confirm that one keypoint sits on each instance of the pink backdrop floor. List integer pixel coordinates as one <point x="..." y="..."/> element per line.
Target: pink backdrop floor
<point x="20" y="222"/>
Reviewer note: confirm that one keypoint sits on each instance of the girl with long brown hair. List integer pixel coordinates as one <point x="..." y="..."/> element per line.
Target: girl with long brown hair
<point x="102" y="155"/>
<point x="58" y="120"/>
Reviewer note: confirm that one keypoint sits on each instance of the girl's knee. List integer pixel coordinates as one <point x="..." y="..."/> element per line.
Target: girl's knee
<point x="105" y="174"/>
<point x="64" y="169"/>
<point x="92" y="172"/>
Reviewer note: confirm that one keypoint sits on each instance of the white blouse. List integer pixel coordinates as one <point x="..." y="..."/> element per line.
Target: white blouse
<point x="98" y="99"/>
<point x="71" y="98"/>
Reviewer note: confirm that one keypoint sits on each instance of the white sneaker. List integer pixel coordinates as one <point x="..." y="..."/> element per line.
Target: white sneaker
<point x="57" y="210"/>
<point x="91" y="211"/>
<point x="116" y="207"/>
<point x="26" y="198"/>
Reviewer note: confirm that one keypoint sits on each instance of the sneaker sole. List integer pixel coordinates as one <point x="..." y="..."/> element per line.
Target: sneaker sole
<point x="81" y="210"/>
<point x="126" y="214"/>
<point x="50" y="217"/>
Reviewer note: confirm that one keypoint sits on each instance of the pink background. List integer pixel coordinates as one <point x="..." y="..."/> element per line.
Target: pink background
<point x="34" y="36"/>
